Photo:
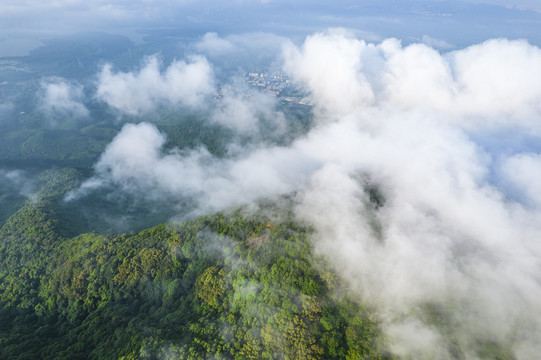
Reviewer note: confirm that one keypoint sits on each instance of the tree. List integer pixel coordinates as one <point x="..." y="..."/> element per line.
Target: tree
<point x="211" y="285"/>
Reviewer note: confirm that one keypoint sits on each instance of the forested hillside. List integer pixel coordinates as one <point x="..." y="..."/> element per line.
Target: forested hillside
<point x="241" y="284"/>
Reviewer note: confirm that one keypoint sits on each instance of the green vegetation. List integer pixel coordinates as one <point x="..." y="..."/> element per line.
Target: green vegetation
<point x="234" y="285"/>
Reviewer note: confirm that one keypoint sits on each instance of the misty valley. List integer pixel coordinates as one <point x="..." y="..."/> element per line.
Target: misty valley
<point x="175" y="194"/>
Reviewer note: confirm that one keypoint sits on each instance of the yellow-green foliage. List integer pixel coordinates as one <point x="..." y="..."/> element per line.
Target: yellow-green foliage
<point x="197" y="290"/>
<point x="147" y="265"/>
<point x="211" y="285"/>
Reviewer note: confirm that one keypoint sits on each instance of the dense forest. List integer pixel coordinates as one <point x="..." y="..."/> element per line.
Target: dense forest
<point x="240" y="284"/>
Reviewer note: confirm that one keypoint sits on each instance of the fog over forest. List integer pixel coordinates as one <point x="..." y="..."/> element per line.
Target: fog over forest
<point x="416" y="160"/>
<point x="458" y="223"/>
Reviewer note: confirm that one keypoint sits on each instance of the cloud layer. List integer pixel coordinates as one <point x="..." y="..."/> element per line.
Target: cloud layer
<point x="136" y="162"/>
<point x="474" y="87"/>
<point x="28" y="21"/>
<point x="135" y="93"/>
<point x="449" y="259"/>
<point x="446" y="237"/>
<point x="59" y="95"/>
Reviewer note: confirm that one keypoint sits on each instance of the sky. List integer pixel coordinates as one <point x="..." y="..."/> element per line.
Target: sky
<point x="436" y="104"/>
<point x="24" y="23"/>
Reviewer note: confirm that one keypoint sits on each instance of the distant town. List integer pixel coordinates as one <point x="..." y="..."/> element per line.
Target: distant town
<point x="272" y="84"/>
<point x="277" y="84"/>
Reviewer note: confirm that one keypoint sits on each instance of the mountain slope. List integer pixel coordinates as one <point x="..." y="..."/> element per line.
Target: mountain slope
<point x="237" y="284"/>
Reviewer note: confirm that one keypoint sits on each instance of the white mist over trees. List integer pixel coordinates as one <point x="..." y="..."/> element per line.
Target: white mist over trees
<point x="59" y="95"/>
<point x="449" y="244"/>
<point x="182" y="83"/>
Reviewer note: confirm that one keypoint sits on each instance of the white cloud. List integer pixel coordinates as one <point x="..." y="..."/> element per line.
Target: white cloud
<point x="485" y="82"/>
<point x="180" y="84"/>
<point x="15" y="181"/>
<point x="400" y="118"/>
<point x="136" y="162"/>
<point x="59" y="95"/>
<point x="492" y="79"/>
<point x="213" y="45"/>
<point x="446" y="236"/>
<point x="250" y="112"/>
<point x="480" y="87"/>
<point x="523" y="171"/>
<point x="334" y="56"/>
